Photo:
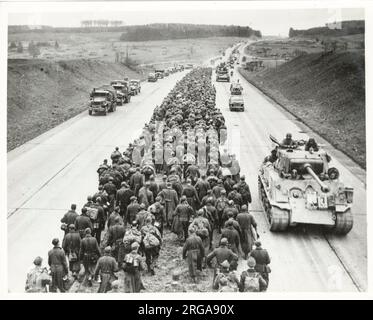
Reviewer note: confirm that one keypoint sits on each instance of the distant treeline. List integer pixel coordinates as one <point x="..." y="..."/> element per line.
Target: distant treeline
<point x="166" y="31"/>
<point x="343" y="28"/>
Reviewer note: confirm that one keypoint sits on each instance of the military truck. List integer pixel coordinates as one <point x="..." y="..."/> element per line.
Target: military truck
<point x="152" y="77"/>
<point x="123" y="94"/>
<point x="236" y="89"/>
<point x="159" y="73"/>
<point x="300" y="188"/>
<point x="236" y="103"/>
<point x="135" y="86"/>
<point x="103" y="100"/>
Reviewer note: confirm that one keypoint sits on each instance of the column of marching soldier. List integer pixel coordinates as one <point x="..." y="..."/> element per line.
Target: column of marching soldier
<point x="194" y="200"/>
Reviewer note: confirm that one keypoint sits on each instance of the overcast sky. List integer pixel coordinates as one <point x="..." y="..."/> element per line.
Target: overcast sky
<point x="268" y="21"/>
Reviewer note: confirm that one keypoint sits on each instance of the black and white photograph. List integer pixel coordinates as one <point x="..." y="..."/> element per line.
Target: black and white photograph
<point x="196" y="147"/>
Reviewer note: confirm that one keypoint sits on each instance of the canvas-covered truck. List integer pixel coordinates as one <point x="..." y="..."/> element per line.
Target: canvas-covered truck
<point x="121" y="87"/>
<point x="103" y="100"/>
<point x="300" y="188"/>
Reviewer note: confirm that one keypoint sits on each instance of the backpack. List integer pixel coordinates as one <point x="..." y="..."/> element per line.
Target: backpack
<point x="201" y="231"/>
<point x="92" y="213"/>
<point x="220" y="205"/>
<point x="251" y="283"/>
<point x="130" y="264"/>
<point x="129" y="238"/>
<point x="150" y="241"/>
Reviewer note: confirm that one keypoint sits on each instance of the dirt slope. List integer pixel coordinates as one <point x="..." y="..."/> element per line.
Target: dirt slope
<point x="325" y="91"/>
<point x="42" y="94"/>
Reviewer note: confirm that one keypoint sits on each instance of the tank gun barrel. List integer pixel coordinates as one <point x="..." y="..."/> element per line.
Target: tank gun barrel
<point x="324" y="187"/>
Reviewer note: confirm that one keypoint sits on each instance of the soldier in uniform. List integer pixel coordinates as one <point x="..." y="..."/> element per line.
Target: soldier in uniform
<point x="153" y="187"/>
<point x="69" y="217"/>
<point x="251" y="273"/>
<point x="113" y="216"/>
<point x="58" y="265"/>
<point x="111" y="190"/>
<point x="137" y="181"/>
<point x="247" y="223"/>
<point x="123" y="199"/>
<point x="71" y="246"/>
<point x="182" y="215"/>
<point x="288" y="141"/>
<point x="232" y="236"/>
<point x="132" y="266"/>
<point x="89" y="254"/>
<point x="132" y="210"/>
<point x="102" y="168"/>
<point x="163" y="184"/>
<point x="311" y="143"/>
<point x="221" y="254"/>
<point x="152" y="253"/>
<point x="191" y="194"/>
<point x="115" y="240"/>
<point x="230" y="276"/>
<point x="145" y="195"/>
<point x="194" y="252"/>
<point x="202" y="186"/>
<point x="244" y="190"/>
<point x="37" y="277"/>
<point x="170" y="200"/>
<point x="262" y="259"/>
<point x="159" y="214"/>
<point x="192" y="172"/>
<point x="82" y="222"/>
<point x="221" y="203"/>
<point x="106" y="268"/>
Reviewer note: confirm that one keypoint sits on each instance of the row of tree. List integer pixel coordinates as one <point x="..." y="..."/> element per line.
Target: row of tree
<point x="167" y="31"/>
<point x="101" y="23"/>
<point x="343" y="28"/>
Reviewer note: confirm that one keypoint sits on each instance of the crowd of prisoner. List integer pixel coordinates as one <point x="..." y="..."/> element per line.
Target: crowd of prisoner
<point x="177" y="177"/>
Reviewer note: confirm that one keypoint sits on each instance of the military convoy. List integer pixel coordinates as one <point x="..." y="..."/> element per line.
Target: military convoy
<point x="236" y="102"/>
<point x="103" y="100"/>
<point x="135" y="87"/>
<point x="123" y="94"/>
<point x="300" y="188"/>
<point x="222" y="73"/>
<point x="152" y="77"/>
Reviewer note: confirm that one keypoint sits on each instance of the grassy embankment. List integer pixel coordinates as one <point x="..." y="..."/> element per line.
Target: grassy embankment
<point x="326" y="91"/>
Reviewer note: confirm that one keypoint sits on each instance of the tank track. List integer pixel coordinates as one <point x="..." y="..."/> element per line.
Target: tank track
<point x="278" y="219"/>
<point x="343" y="223"/>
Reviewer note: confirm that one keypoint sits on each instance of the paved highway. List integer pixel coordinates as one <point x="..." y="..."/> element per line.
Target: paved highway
<point x="302" y="259"/>
<point x="58" y="168"/>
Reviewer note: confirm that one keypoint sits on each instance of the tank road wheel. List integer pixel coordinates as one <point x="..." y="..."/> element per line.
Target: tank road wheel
<point x="278" y="219"/>
<point x="343" y="223"/>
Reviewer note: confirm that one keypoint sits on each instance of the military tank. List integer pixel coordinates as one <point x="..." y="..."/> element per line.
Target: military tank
<point x="300" y="188"/>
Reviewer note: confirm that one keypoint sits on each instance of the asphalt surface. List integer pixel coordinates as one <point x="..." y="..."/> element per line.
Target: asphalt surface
<point x="58" y="168"/>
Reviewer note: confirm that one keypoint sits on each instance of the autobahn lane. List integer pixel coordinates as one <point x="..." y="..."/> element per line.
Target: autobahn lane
<point x="302" y="259"/>
<point x="58" y="168"/>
